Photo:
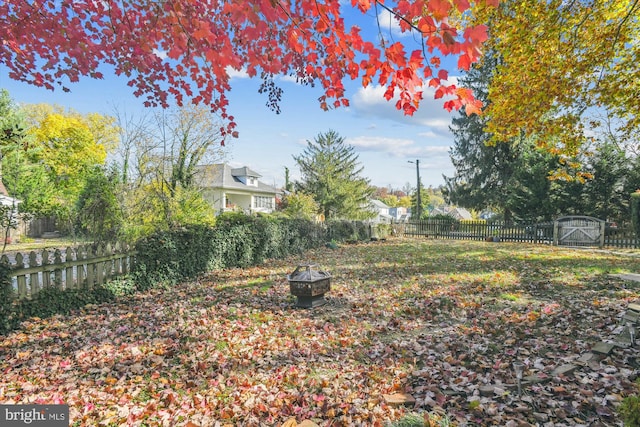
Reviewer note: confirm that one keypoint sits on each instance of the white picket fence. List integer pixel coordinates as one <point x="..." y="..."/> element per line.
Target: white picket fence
<point x="69" y="268"/>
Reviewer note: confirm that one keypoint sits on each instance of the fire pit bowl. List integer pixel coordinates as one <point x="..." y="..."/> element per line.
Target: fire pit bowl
<point x="309" y="285"/>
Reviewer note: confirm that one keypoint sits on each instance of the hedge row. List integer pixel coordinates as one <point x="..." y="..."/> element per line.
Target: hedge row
<point x="169" y="257"/>
<point x="237" y="240"/>
<point x="635" y="211"/>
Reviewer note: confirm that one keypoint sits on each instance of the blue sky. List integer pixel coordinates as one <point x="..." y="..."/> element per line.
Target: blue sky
<point x="384" y="139"/>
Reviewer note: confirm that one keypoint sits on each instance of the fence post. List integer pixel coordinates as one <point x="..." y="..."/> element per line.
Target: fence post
<point x="46" y="274"/>
<point x="57" y="272"/>
<point x="602" y="231"/>
<point x="109" y="264"/>
<point x="34" y="279"/>
<point x="22" y="279"/>
<point x="91" y="276"/>
<point x="99" y="265"/>
<point x="69" y="281"/>
<point x="81" y="268"/>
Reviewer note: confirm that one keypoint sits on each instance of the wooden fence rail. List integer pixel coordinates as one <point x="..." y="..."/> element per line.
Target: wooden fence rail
<point x="614" y="237"/>
<point x="71" y="268"/>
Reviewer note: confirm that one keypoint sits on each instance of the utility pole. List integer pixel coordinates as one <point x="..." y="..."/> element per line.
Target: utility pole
<point x="418" y="196"/>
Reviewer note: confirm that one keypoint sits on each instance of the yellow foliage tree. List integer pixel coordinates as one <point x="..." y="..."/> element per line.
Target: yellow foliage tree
<point x="154" y="206"/>
<point x="69" y="145"/>
<point x="404" y="201"/>
<point x="559" y="62"/>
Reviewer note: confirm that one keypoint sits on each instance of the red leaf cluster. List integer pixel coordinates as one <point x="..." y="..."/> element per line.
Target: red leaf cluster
<point x="179" y="50"/>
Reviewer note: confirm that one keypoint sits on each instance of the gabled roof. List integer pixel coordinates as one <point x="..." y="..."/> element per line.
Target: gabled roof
<point x="462" y="213"/>
<point x="245" y="171"/>
<point x="378" y="204"/>
<point x="224" y="177"/>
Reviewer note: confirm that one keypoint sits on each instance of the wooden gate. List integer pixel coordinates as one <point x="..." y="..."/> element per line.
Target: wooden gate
<point x="578" y="231"/>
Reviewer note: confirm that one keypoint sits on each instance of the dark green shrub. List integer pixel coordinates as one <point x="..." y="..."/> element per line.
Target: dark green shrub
<point x="99" y="215"/>
<point x="382" y="231"/>
<point x="629" y="410"/>
<point x="170" y="256"/>
<point x="121" y="286"/>
<point x="348" y="231"/>
<point x="269" y="233"/>
<point x="7" y="321"/>
<point x="50" y="301"/>
<point x="237" y="240"/>
<point x="635" y="212"/>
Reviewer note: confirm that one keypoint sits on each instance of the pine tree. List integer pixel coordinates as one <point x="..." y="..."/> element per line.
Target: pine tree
<point x="331" y="173"/>
<point x="482" y="171"/>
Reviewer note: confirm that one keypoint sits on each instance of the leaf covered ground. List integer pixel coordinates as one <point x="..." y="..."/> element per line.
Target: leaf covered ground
<point x="440" y="320"/>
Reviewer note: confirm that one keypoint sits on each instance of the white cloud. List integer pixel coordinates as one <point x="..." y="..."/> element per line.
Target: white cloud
<point x="238" y="74"/>
<point x="290" y="79"/>
<point x="389" y="22"/>
<point x="369" y="102"/>
<point x="397" y="147"/>
<point x="428" y="134"/>
<point x="377" y="143"/>
<point x="160" y="53"/>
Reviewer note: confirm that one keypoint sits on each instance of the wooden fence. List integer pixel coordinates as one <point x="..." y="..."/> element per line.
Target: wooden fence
<point x="621" y="237"/>
<point x="70" y="268"/>
<point x="614" y="237"/>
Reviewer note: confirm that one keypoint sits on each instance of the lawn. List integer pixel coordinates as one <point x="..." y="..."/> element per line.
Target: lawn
<point x="49" y="244"/>
<point x="440" y="320"/>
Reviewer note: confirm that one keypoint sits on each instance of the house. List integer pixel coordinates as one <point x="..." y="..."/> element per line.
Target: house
<point x="235" y="189"/>
<point x="457" y="213"/>
<point x="461" y="214"/>
<point x="400" y="214"/>
<point x="9" y="209"/>
<point x="381" y="210"/>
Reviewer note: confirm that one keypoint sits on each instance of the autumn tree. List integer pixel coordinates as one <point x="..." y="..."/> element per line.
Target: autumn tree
<point x="511" y="177"/>
<point x="404" y="201"/>
<point x="175" y="50"/>
<point x="69" y="144"/>
<point x="299" y="205"/>
<point x="49" y="166"/>
<point x="163" y="152"/>
<point x="134" y="135"/>
<point x="559" y="62"/>
<point x="331" y="173"/>
<point x="390" y="200"/>
<point x="435" y="197"/>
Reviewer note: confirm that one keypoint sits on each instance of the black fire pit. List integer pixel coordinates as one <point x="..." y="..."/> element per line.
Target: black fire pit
<point x="309" y="285"/>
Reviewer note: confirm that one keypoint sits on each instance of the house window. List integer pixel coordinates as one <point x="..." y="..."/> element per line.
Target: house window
<point x="263" y="202"/>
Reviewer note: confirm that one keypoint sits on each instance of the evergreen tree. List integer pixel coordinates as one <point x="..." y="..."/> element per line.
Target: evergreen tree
<point x="529" y="195"/>
<point x="605" y="195"/>
<point x="99" y="214"/>
<point x="483" y="171"/>
<point x="332" y="175"/>
<point x="424" y="203"/>
<point x="22" y="174"/>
